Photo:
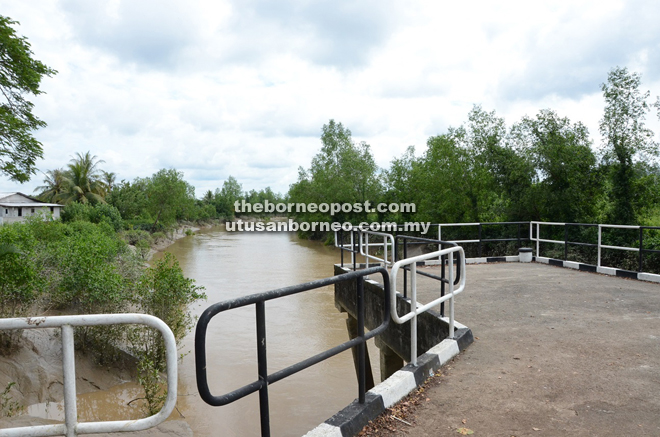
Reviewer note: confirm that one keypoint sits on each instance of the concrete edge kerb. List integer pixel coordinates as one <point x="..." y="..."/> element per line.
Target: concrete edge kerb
<point x="353" y="418"/>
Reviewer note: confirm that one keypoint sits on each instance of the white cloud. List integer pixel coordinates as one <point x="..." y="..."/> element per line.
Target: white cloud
<point x="243" y="88"/>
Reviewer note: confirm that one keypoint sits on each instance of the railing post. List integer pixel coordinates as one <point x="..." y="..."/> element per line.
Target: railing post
<point x="479" y="240"/>
<point x="599" y="243"/>
<point x="355" y="246"/>
<point x="538" y="238"/>
<point x="262" y="368"/>
<point x="413" y="307"/>
<point x="69" y="367"/>
<point x="451" y="291"/>
<point x="405" y="272"/>
<point x="641" y="247"/>
<point x="341" y="245"/>
<point x="443" y="259"/>
<point x="362" y="372"/>
<point x="566" y="241"/>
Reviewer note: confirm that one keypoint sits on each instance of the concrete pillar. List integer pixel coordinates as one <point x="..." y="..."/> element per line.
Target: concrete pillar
<point x="351" y="326"/>
<point x="390" y="361"/>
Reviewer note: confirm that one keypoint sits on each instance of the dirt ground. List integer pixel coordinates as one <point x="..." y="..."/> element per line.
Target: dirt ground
<point x="557" y="352"/>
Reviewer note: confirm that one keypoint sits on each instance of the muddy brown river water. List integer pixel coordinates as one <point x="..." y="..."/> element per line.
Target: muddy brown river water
<point x="229" y="265"/>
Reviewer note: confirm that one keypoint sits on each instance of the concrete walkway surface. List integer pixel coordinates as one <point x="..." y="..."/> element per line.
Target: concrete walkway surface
<point x="557" y="352"/>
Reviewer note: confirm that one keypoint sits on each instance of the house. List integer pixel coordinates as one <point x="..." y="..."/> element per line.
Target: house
<point x="15" y="207"/>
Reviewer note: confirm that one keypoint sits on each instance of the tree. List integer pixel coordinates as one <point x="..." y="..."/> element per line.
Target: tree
<point x="55" y="182"/>
<point x="167" y="193"/>
<point x="20" y="75"/>
<point x="109" y="179"/>
<point x="130" y="198"/>
<point x="625" y="138"/>
<point x="342" y="172"/>
<point x="225" y="198"/>
<point x="565" y="167"/>
<point x="84" y="183"/>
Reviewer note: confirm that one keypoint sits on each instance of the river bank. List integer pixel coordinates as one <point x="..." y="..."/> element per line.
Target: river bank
<point x="31" y="379"/>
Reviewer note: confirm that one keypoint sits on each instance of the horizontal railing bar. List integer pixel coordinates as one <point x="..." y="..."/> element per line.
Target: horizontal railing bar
<point x="102" y="320"/>
<point x="209" y="313"/>
<point x="630" y="249"/>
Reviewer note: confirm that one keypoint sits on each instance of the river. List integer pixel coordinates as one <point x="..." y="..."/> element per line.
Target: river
<point x="229" y="265"/>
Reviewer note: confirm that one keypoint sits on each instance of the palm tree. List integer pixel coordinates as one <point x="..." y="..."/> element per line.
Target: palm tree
<point x="54" y="185"/>
<point x="84" y="182"/>
<point x="109" y="178"/>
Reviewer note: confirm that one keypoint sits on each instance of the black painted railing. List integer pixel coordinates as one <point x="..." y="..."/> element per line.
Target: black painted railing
<point x="264" y="379"/>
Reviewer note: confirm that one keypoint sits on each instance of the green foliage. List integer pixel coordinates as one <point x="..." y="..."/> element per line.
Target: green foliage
<point x="98" y="213"/>
<point x="224" y="199"/>
<point x="80" y="182"/>
<point x="625" y="139"/>
<point x="130" y="199"/>
<point x="166" y="293"/>
<point x="8" y="406"/>
<point x="20" y="283"/>
<point x="20" y="75"/>
<point x="566" y="178"/>
<point x="342" y="172"/>
<point x="169" y="197"/>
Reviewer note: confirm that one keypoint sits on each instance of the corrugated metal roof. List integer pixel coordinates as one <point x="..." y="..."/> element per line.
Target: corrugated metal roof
<point x="26" y="204"/>
<point x="31" y="201"/>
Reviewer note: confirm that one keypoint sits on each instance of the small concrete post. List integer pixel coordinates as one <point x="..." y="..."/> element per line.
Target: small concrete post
<point x="525" y="255"/>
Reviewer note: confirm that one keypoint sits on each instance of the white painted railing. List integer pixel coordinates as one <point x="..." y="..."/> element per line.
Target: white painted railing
<point x="363" y="246"/>
<point x="387" y="245"/>
<point x="415" y="309"/>
<point x="71" y="427"/>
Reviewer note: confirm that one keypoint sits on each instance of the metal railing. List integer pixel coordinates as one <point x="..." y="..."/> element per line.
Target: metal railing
<point x="480" y="240"/>
<point x="360" y="244"/>
<point x="408" y="240"/>
<point x="599" y="245"/>
<point x="415" y="310"/>
<point x="71" y="427"/>
<point x="264" y="379"/>
<point x="565" y="241"/>
<point x="350" y="247"/>
<point x="534" y="235"/>
<point x="387" y="246"/>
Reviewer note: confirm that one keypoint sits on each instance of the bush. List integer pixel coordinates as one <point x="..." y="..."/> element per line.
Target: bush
<point x="99" y="213"/>
<point x="164" y="292"/>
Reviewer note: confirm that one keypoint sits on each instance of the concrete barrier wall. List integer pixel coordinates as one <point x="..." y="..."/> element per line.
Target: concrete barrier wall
<point x="431" y="329"/>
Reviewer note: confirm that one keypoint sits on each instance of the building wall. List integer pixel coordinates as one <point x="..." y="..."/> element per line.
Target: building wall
<point x="11" y="214"/>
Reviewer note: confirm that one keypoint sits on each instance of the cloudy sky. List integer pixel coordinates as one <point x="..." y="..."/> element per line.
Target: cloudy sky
<point x="243" y="87"/>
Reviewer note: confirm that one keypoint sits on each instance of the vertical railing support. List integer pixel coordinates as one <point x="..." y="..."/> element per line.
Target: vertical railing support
<point x="450" y="275"/>
<point x="405" y="272"/>
<point x="443" y="259"/>
<point x="262" y="368"/>
<point x="479" y="240"/>
<point x="599" y="243"/>
<point x="362" y="371"/>
<point x="641" y="248"/>
<point x="341" y="245"/>
<point x="69" y="367"/>
<point x="538" y="238"/>
<point x="413" y="308"/>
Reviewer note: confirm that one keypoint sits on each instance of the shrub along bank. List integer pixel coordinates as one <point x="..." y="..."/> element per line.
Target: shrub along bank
<point x="80" y="267"/>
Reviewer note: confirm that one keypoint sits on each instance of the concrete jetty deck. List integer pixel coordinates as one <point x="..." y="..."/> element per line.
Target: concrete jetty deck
<point x="556" y="352"/>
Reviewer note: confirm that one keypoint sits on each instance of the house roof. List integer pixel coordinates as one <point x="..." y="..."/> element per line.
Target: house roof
<point x="29" y="201"/>
<point x="27" y="204"/>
